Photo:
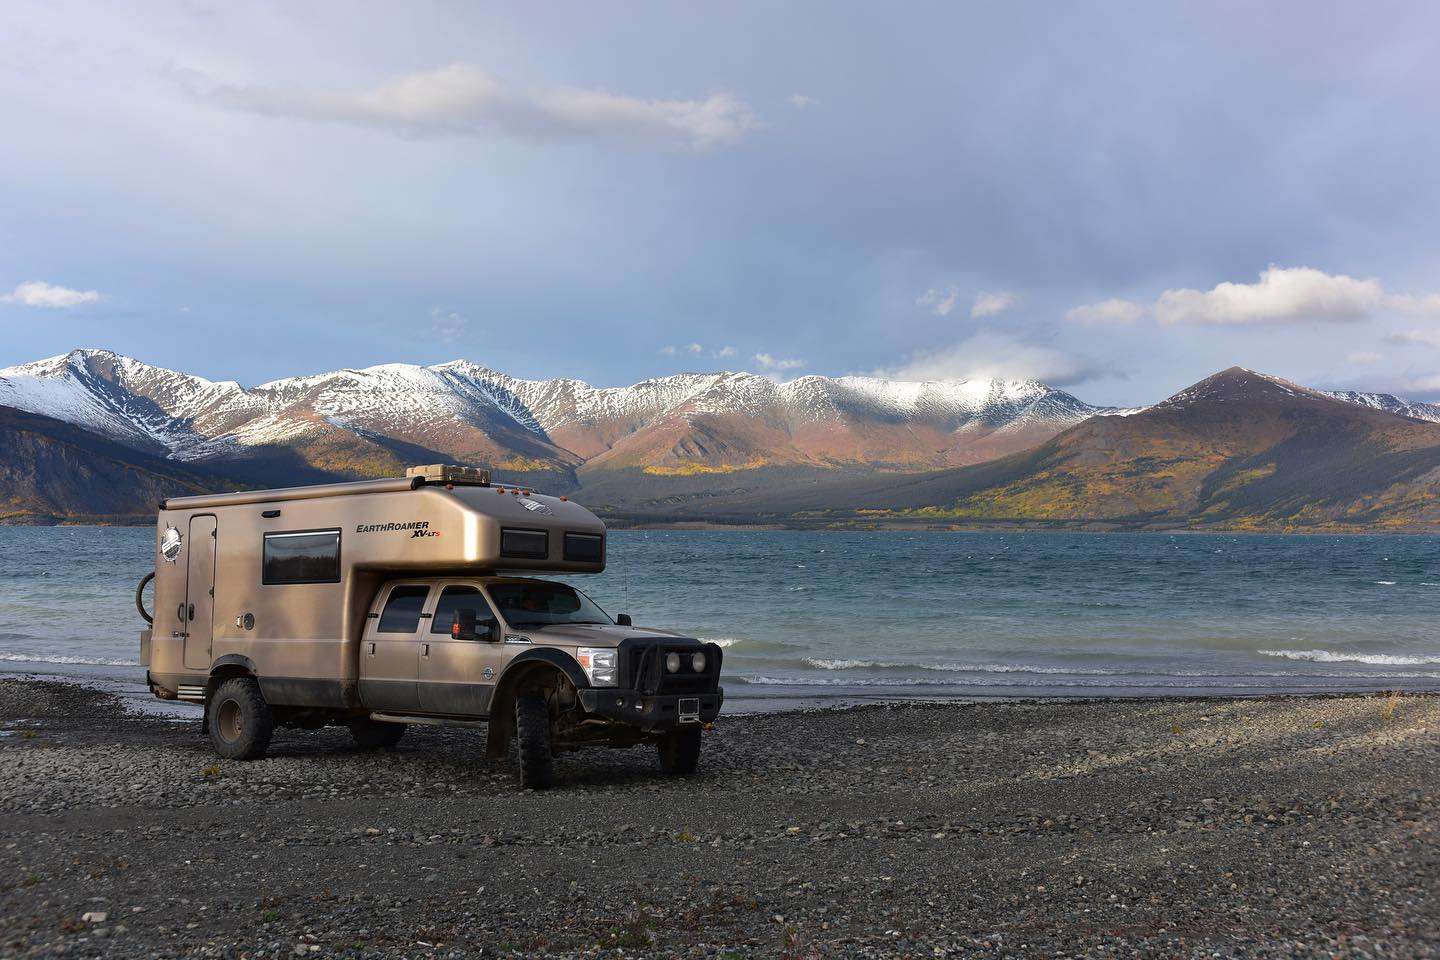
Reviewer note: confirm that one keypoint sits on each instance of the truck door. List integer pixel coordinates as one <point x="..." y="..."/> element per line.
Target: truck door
<point x="457" y="677"/>
<point x="390" y="651"/>
<point x="197" y="612"/>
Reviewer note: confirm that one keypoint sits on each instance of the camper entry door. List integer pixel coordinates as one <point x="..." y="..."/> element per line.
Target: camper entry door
<point x="198" y="611"/>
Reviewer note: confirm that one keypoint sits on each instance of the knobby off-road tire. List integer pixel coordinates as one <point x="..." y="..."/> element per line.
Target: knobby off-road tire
<point x="532" y="737"/>
<point x="680" y="751"/>
<point x="240" y="720"/>
<point x="375" y="734"/>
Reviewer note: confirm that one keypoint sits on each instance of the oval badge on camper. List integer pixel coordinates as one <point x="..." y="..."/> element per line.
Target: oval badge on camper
<point x="535" y="506"/>
<point x="170" y="544"/>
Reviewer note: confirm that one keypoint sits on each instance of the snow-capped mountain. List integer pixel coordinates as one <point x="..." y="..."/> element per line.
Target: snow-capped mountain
<point x="1389" y="403"/>
<point x="466" y="411"/>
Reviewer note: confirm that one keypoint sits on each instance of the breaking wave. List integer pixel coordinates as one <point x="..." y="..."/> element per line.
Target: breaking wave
<point x="62" y="658"/>
<point x="846" y="664"/>
<point x="1328" y="656"/>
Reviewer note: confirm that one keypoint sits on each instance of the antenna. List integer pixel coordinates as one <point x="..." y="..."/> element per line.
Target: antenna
<point x="625" y="579"/>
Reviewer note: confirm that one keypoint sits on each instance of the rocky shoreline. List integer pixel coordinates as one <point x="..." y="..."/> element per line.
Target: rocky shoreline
<point x="1271" y="826"/>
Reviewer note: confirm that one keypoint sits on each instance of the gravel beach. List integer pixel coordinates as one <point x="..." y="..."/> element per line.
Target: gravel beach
<point x="1257" y="827"/>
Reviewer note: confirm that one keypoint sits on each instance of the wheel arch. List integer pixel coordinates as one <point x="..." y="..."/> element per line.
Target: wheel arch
<point x="521" y="674"/>
<point x="228" y="666"/>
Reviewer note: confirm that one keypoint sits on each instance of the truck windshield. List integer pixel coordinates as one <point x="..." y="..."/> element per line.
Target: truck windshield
<point x="540" y="604"/>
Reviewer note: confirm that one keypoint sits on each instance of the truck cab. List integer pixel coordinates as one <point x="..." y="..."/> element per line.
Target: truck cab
<point x="381" y="604"/>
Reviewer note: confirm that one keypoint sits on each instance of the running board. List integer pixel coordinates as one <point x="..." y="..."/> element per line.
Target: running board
<point x="425" y="721"/>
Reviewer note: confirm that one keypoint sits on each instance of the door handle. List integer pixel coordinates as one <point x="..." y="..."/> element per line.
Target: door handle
<point x="424" y="649"/>
<point x="372" y="649"/>
<point x="180" y="613"/>
<point x="190" y="613"/>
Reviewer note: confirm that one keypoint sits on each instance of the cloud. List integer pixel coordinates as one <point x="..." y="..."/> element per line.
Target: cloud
<point x="769" y="362"/>
<point x="668" y="350"/>
<point x="696" y="349"/>
<point x="940" y="301"/>
<point x="1107" y="313"/>
<point x="724" y="352"/>
<point x="989" y="304"/>
<point x="801" y="102"/>
<point x="38" y="293"/>
<point x="1415" y="338"/>
<point x="465" y="99"/>
<point x="447" y="325"/>
<point x="986" y="355"/>
<point x="1362" y="357"/>
<point x="1282" y="295"/>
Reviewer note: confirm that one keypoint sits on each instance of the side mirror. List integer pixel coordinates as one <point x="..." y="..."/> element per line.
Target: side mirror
<point x="463" y="627"/>
<point x="624" y="620"/>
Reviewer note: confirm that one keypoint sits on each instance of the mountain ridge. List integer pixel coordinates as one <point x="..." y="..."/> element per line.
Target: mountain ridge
<point x="468" y="411"/>
<point x="1237" y="450"/>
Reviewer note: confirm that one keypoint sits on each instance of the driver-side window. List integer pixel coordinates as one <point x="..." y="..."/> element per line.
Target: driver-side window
<point x="454" y="598"/>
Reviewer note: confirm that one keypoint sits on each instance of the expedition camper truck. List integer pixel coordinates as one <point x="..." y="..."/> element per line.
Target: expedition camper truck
<point x="382" y="603"/>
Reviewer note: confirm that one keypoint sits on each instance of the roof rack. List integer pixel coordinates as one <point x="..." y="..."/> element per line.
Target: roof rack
<point x="450" y="473"/>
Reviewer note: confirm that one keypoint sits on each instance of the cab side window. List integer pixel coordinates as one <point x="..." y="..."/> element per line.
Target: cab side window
<point x="402" y="609"/>
<point x="452" y="599"/>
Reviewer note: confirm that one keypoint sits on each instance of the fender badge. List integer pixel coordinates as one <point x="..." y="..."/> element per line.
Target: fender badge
<point x="487" y="673"/>
<point x="170" y="544"/>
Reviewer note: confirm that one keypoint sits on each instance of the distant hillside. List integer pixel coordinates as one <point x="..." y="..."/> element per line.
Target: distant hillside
<point x="356" y="423"/>
<point x="100" y="435"/>
<point x="52" y="471"/>
<point x="1238" y="450"/>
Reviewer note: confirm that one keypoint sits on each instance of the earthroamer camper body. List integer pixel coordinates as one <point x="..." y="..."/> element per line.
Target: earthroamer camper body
<point x="381" y="603"/>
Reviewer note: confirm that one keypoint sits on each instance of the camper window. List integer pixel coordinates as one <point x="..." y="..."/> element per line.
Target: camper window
<point x="585" y="547"/>
<point x="526" y="544"/>
<point x="452" y="599"/>
<point x="402" y="610"/>
<point x="309" y="557"/>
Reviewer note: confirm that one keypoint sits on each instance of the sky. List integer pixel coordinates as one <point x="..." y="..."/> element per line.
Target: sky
<point x="1115" y="198"/>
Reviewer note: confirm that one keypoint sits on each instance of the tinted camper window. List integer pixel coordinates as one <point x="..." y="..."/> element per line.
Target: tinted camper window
<point x="311" y="557"/>
<point x="584" y="547"/>
<point x="529" y="544"/>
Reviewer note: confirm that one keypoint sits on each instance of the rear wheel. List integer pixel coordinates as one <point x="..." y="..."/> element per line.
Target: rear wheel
<point x="680" y="751"/>
<point x="532" y="735"/>
<point x="240" y="722"/>
<point x="374" y="734"/>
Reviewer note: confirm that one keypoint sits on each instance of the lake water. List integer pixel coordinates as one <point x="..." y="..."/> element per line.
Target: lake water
<point x="857" y="615"/>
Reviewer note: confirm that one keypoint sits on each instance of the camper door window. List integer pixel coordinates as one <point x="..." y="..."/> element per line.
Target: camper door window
<point x="311" y="556"/>
<point x="402" y="609"/>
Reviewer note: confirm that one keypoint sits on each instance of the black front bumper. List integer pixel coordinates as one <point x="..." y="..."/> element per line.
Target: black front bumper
<point x="661" y="711"/>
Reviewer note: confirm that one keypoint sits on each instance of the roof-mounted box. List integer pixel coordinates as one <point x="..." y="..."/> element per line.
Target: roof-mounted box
<point x="450" y="473"/>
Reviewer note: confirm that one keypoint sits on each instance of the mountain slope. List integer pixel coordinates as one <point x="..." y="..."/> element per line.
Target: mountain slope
<point x="52" y="470"/>
<point x="370" y="421"/>
<point x="1238" y="450"/>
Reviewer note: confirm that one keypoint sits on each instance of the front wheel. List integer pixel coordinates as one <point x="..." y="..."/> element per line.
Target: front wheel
<point x="680" y="751"/>
<point x="240" y="720"/>
<point x="375" y="734"/>
<point x="532" y="735"/>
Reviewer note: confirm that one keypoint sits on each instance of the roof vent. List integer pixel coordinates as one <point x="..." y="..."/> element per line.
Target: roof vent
<point x="450" y="473"/>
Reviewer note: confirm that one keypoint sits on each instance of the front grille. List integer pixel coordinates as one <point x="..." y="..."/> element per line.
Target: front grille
<point x="642" y="666"/>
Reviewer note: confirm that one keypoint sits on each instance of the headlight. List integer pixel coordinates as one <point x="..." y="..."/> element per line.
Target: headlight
<point x="598" y="664"/>
<point x="672" y="663"/>
<point x="697" y="662"/>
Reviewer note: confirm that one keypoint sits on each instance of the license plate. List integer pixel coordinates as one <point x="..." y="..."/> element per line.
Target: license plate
<point x="690" y="709"/>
